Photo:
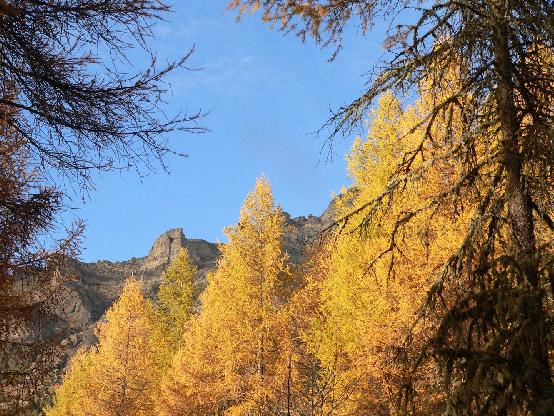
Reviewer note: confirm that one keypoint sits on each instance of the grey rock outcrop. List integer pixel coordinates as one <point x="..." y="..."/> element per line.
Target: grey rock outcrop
<point x="165" y="248"/>
<point x="98" y="285"/>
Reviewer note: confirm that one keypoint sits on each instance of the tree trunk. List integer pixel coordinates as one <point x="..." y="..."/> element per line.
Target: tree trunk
<point x="289" y="382"/>
<point x="261" y="337"/>
<point x="529" y="359"/>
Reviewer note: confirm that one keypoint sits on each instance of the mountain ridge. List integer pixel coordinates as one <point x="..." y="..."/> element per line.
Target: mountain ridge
<point x="92" y="287"/>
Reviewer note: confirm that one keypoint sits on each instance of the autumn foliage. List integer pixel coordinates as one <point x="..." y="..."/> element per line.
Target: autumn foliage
<point x="342" y="333"/>
<point x="231" y="358"/>
<point x="120" y="375"/>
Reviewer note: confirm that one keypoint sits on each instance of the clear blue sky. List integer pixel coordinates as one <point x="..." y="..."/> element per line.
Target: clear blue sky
<point x="265" y="93"/>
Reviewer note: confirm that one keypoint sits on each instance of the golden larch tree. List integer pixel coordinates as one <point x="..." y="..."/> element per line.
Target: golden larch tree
<point x="119" y="377"/>
<point x="72" y="397"/>
<point x="369" y="285"/>
<point x="231" y="359"/>
<point x="174" y="306"/>
<point x="125" y="376"/>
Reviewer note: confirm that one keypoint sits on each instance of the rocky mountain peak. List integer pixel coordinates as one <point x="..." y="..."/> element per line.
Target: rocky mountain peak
<point x="164" y="249"/>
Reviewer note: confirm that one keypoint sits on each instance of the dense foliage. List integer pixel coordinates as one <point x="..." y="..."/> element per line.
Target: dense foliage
<point x="432" y="292"/>
<point x="343" y="334"/>
<point x="485" y="70"/>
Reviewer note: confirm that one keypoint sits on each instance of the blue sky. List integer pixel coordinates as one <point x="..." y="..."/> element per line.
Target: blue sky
<point x="265" y="94"/>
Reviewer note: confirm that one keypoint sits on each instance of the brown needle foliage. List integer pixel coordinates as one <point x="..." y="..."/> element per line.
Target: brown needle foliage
<point x="68" y="107"/>
<point x="30" y="280"/>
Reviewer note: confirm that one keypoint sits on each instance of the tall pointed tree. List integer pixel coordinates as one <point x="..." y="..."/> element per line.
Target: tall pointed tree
<point x="121" y="374"/>
<point x="125" y="377"/>
<point x="365" y="308"/>
<point x="174" y="305"/>
<point x="230" y="360"/>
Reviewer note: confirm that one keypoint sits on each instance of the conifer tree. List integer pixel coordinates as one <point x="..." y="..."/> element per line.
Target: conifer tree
<point x="75" y="109"/>
<point x="91" y="119"/>
<point x="31" y="285"/>
<point x="73" y="395"/>
<point x="125" y="375"/>
<point x="365" y="308"/>
<point x="230" y="360"/>
<point x="119" y="377"/>
<point x="174" y="305"/>
<point x="311" y="384"/>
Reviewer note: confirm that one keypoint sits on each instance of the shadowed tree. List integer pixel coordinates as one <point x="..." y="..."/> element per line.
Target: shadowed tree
<point x="80" y="108"/>
<point x="69" y="105"/>
<point x="174" y="306"/>
<point x="30" y="258"/>
<point x="489" y="65"/>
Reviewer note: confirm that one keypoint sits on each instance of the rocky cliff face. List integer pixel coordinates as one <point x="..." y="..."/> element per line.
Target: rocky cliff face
<point x="99" y="284"/>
